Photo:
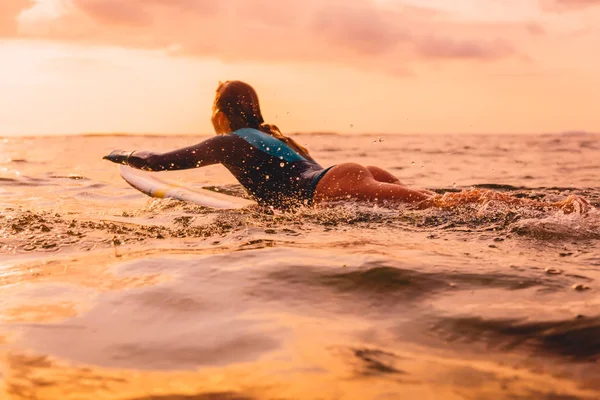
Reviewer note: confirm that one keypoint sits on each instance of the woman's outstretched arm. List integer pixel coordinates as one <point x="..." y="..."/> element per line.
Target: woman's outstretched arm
<point x="218" y="149"/>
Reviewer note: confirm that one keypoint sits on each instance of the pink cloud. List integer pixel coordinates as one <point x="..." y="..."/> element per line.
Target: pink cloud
<point x="356" y="32"/>
<point x="365" y="30"/>
<point x="114" y="12"/>
<point x="568" y="5"/>
<point x="436" y="48"/>
<point x="138" y="13"/>
<point x="9" y="11"/>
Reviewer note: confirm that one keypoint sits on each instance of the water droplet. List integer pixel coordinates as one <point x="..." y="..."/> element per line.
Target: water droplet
<point x="579" y="287"/>
<point x="553" y="271"/>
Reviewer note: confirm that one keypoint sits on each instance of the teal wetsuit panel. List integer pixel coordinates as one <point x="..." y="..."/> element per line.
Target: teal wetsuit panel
<point x="268" y="144"/>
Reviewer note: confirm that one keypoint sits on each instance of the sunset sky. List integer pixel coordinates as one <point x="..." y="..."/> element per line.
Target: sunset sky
<point x="380" y="66"/>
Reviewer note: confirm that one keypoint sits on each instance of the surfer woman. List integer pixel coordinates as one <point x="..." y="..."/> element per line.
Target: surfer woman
<point x="279" y="172"/>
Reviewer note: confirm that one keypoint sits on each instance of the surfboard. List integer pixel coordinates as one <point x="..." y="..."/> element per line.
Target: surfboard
<point x="149" y="184"/>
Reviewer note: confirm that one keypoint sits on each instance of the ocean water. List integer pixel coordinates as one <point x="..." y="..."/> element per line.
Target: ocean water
<point x="108" y="294"/>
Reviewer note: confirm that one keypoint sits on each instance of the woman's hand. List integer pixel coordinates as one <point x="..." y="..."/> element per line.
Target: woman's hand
<point x="119" y="156"/>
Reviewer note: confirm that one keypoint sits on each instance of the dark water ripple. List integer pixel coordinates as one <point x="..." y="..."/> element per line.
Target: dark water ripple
<point x="575" y="340"/>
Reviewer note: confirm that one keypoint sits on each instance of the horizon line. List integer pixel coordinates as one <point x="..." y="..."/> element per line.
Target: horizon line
<point x="300" y="133"/>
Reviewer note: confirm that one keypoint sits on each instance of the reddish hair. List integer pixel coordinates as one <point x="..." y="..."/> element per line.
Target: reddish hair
<point x="238" y="101"/>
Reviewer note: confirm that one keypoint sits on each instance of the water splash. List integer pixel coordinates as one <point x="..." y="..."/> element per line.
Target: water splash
<point x="561" y="226"/>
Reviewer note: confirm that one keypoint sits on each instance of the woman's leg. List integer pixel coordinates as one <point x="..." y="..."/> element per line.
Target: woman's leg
<point x="381" y="175"/>
<point x="353" y="181"/>
<point x="451" y="200"/>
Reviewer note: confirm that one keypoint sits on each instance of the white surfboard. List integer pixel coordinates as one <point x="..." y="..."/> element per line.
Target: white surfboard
<point x="151" y="185"/>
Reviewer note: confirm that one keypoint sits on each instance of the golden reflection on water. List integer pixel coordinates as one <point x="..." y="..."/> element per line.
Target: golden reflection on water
<point x="319" y="357"/>
<point x="305" y="370"/>
<point x="55" y="312"/>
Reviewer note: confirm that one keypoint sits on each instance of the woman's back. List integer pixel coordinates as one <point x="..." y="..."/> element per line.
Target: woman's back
<point x="273" y="172"/>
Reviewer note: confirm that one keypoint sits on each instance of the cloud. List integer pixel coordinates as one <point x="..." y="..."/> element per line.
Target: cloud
<point x="138" y="13"/>
<point x="568" y="5"/>
<point x="361" y="33"/>
<point x="436" y="48"/>
<point x="114" y="12"/>
<point x="9" y="11"/>
<point x="364" y="30"/>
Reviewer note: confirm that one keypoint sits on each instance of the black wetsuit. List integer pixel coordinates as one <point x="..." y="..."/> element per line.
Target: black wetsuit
<point x="272" y="172"/>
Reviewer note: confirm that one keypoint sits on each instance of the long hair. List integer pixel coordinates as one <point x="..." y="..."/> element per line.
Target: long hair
<point x="239" y="102"/>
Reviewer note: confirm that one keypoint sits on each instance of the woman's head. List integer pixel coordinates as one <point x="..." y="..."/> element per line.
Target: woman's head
<point x="236" y="106"/>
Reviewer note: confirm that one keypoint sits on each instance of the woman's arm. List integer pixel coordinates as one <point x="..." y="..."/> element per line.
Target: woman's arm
<point x="218" y="149"/>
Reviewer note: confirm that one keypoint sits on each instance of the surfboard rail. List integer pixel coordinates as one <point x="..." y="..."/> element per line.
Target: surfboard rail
<point x="151" y="185"/>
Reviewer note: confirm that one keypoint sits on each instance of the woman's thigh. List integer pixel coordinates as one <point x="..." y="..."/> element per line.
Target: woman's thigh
<point x="341" y="180"/>
<point x="354" y="181"/>
<point x="381" y="175"/>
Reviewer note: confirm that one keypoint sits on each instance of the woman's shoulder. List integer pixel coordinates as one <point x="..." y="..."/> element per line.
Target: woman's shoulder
<point x="254" y="136"/>
<point x="268" y="144"/>
<point x="248" y="132"/>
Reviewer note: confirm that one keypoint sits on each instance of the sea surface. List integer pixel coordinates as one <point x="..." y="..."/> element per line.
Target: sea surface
<point x="108" y="294"/>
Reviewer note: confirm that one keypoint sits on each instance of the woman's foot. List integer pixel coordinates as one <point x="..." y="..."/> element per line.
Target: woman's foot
<point x="573" y="204"/>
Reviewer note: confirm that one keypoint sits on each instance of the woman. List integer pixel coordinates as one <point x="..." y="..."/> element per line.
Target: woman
<point x="279" y="172"/>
